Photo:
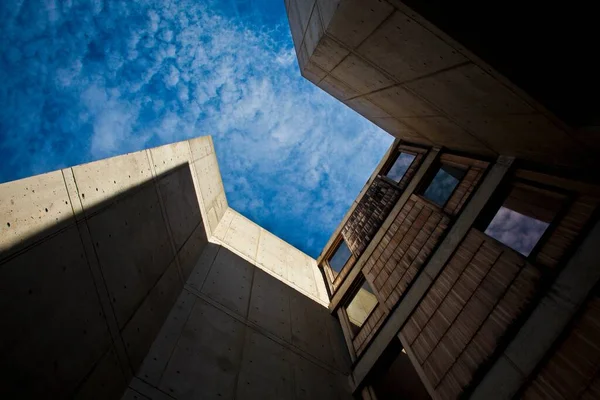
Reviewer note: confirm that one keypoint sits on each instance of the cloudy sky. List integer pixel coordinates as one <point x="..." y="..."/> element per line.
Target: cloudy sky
<point x="84" y="80"/>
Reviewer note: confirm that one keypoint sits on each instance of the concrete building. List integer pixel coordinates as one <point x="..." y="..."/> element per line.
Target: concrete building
<point x="131" y="278"/>
<point x="467" y="266"/>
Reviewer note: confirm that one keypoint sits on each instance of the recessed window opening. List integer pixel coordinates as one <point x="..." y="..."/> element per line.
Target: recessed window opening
<point x="340" y="257"/>
<point x="522" y="219"/>
<point x="360" y="307"/>
<point x="443" y="184"/>
<point x="400" y="166"/>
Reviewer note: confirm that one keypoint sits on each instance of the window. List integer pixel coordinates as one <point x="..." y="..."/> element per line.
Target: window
<point x="340" y="257"/>
<point x="522" y="219"/>
<point x="443" y="184"/>
<point x="400" y="166"/>
<point x="361" y="306"/>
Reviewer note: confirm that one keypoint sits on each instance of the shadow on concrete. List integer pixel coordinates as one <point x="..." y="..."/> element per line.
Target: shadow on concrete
<point x="238" y="332"/>
<point x="82" y="300"/>
<point x="130" y="292"/>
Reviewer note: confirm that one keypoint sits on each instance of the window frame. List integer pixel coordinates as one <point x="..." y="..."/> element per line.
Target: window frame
<point x="393" y="162"/>
<point x="417" y="152"/>
<point x="329" y="271"/>
<point x="361" y="281"/>
<point x="425" y="183"/>
<point x="502" y="195"/>
<point x="358" y="283"/>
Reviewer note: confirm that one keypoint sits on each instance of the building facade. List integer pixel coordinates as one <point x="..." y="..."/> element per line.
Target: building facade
<point x="132" y="278"/>
<point x="467" y="265"/>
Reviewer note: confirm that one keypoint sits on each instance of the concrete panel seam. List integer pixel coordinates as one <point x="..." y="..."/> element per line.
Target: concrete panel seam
<point x="203" y="210"/>
<point x="164" y="214"/>
<point x="62" y="171"/>
<point x="149" y="390"/>
<point x="207" y="272"/>
<point x="268" y="271"/>
<point x="250" y="293"/>
<point x="113" y="328"/>
<point x="260" y="231"/>
<point x="482" y="64"/>
<point x="102" y="206"/>
<point x="241" y="353"/>
<point x="383" y="21"/>
<point x="261" y="330"/>
<point x="305" y="29"/>
<point x="148" y="292"/>
<point x="36" y="243"/>
<point x="178" y="338"/>
<point x="109" y="312"/>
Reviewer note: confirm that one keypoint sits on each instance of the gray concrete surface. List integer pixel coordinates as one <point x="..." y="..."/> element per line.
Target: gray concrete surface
<point x="413" y="80"/>
<point x="131" y="277"/>
<point x="92" y="259"/>
<point x="271" y="254"/>
<point x="239" y="332"/>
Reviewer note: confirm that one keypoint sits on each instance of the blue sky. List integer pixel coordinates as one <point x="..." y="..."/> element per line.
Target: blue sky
<point x="85" y="80"/>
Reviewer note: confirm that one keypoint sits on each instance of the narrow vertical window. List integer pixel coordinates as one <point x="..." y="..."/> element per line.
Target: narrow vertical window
<point x="400" y="166"/>
<point x="443" y="184"/>
<point x="340" y="257"/>
<point x="360" y="307"/>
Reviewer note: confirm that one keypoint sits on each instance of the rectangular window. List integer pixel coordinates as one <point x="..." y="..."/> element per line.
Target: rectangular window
<point x="443" y="184"/>
<point x="522" y="219"/>
<point x="361" y="306"/>
<point x="340" y="257"/>
<point x="400" y="166"/>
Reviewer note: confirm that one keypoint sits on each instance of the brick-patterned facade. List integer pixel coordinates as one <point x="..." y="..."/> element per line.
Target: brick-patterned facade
<point x="481" y="292"/>
<point x="409" y="242"/>
<point x="484" y="291"/>
<point x="369" y="214"/>
<point x="373" y="209"/>
<point x="402" y="251"/>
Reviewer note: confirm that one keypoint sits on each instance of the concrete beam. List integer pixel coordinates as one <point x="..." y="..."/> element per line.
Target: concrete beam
<point x="440" y="257"/>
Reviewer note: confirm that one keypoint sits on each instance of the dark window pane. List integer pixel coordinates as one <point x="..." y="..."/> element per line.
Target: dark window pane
<point x="441" y="187"/>
<point x="361" y="306"/>
<point x="340" y="257"/>
<point x="517" y="231"/>
<point x="400" y="166"/>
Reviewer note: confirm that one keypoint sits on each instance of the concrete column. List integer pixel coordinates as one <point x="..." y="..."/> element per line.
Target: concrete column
<point x="440" y="257"/>
<point x="545" y="324"/>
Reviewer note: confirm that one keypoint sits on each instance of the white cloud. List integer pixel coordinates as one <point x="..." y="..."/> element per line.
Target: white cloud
<point x="288" y="152"/>
<point x="172" y="77"/>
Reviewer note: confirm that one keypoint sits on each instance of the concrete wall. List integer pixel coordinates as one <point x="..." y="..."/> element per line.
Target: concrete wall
<point x="240" y="332"/>
<point x="91" y="260"/>
<point x="132" y="273"/>
<point x="398" y="70"/>
<point x="271" y="254"/>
